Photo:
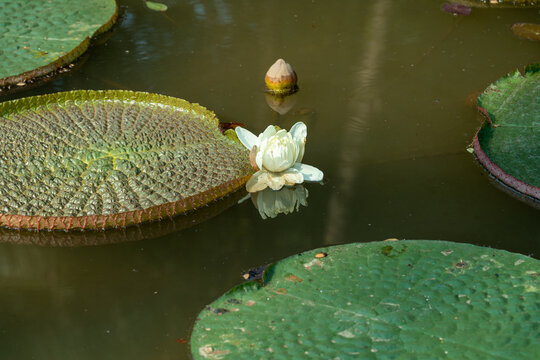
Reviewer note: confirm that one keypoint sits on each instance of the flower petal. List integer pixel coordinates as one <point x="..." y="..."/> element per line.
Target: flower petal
<point x="292" y="177"/>
<point x="299" y="134"/>
<point x="262" y="141"/>
<point x="280" y="152"/>
<point x="275" y="181"/>
<point x="309" y="172"/>
<point x="257" y="182"/>
<point x="299" y="130"/>
<point x="259" y="158"/>
<point x="246" y="137"/>
<point x="267" y="133"/>
<point x="253" y="158"/>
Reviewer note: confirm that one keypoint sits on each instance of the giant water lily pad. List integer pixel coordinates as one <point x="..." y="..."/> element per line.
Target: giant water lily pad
<point x="39" y="36"/>
<point x="99" y="159"/>
<point x="380" y="300"/>
<point x="508" y="144"/>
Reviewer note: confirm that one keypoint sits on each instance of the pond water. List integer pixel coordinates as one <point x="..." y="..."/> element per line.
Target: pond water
<point x="385" y="89"/>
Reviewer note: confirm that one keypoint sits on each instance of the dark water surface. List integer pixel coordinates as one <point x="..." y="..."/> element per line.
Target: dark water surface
<point x="383" y="90"/>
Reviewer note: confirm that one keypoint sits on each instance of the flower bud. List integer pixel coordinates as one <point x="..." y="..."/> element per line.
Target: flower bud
<point x="281" y="78"/>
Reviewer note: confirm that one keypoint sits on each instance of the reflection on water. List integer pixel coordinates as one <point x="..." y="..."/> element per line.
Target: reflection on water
<point x="281" y="104"/>
<point x="383" y="91"/>
<point x="363" y="102"/>
<point x="271" y="203"/>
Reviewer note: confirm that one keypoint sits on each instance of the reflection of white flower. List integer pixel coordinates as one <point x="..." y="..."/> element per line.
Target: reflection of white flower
<point x="277" y="156"/>
<point x="270" y="203"/>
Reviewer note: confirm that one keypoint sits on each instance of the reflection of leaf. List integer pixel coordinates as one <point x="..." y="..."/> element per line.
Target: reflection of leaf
<point x="457" y="9"/>
<point x="508" y="145"/>
<point x="47" y="35"/>
<point x="527" y="31"/>
<point x="99" y="159"/>
<point x="404" y="299"/>
<point x="498" y="3"/>
<point x="156" y="6"/>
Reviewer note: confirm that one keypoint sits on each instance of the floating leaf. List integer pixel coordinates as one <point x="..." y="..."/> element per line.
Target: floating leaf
<point x="380" y="300"/>
<point x="527" y="31"/>
<point x="457" y="9"/>
<point x="156" y="6"/>
<point x="99" y="159"/>
<point x="508" y="144"/>
<point x="38" y="37"/>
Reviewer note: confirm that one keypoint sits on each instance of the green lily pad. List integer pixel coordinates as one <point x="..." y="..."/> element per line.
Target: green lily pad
<point x="382" y="300"/>
<point x="508" y="144"/>
<point x="38" y="37"/>
<point x="156" y="6"/>
<point x="99" y="159"/>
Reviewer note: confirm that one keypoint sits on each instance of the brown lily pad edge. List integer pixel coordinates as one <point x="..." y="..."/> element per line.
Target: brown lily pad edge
<point x="124" y="219"/>
<point x="516" y="188"/>
<point x="138" y="232"/>
<point x="59" y="66"/>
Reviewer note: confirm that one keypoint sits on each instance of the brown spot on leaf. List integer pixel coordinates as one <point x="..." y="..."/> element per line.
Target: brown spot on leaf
<point x="210" y="352"/>
<point x="218" y="311"/>
<point x="386" y="250"/>
<point x="461" y="264"/>
<point x="293" y="278"/>
<point x="321" y="255"/>
<point x="281" y="291"/>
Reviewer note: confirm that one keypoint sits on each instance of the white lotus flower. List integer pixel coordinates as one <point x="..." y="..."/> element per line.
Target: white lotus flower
<point x="270" y="203"/>
<point x="277" y="156"/>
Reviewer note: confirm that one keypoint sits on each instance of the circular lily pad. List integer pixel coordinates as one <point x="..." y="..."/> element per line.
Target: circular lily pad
<point x="382" y="300"/>
<point x="508" y="144"/>
<point x="99" y="159"/>
<point x="39" y="37"/>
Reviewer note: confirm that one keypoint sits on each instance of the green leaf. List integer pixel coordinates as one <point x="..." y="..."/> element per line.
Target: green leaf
<point x="508" y="145"/>
<point x="382" y="300"/>
<point x="46" y="35"/>
<point x="156" y="6"/>
<point x="99" y="159"/>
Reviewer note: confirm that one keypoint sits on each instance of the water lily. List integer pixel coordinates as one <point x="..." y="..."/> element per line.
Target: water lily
<point x="277" y="155"/>
<point x="270" y="203"/>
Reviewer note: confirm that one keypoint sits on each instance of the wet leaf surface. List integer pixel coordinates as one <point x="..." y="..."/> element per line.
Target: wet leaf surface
<point x="430" y="299"/>
<point x="39" y="37"/>
<point x="509" y="141"/>
<point x="98" y="159"/>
